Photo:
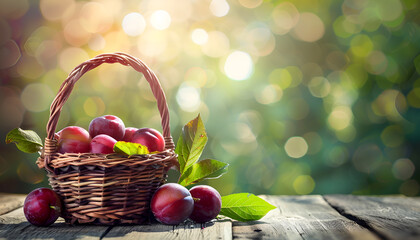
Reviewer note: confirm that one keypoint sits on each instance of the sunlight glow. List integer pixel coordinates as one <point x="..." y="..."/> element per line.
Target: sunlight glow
<point x="133" y="24"/>
<point x="219" y="8"/>
<point x="296" y="147"/>
<point x="160" y="20"/>
<point x="188" y="98"/>
<point x="239" y="66"/>
<point x="199" y="36"/>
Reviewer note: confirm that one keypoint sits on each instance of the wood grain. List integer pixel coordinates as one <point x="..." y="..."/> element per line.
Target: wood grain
<point x="296" y="217"/>
<point x="13" y="225"/>
<point x="9" y="202"/>
<point x="390" y="217"/>
<point x="300" y="217"/>
<point x="220" y="229"/>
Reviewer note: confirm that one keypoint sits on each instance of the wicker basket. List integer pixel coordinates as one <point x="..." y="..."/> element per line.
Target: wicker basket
<point x="106" y="189"/>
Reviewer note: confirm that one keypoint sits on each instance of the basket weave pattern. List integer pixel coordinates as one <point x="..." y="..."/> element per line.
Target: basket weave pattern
<point x="106" y="188"/>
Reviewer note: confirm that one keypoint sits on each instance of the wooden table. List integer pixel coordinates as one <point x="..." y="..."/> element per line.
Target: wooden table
<point x="297" y="217"/>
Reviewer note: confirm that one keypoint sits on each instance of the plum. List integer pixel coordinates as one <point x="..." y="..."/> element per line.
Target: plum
<point x="151" y="138"/>
<point x="42" y="207"/>
<point x="172" y="204"/>
<point x="73" y="139"/>
<point x="102" y="144"/>
<point x="207" y="203"/>
<point x="128" y="135"/>
<point x="110" y="125"/>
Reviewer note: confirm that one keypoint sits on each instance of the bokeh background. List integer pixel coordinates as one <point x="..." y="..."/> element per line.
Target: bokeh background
<point x="299" y="97"/>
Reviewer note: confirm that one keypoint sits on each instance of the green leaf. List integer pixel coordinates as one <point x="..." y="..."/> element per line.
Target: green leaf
<point x="191" y="143"/>
<point x="244" y="207"/>
<point x="130" y="148"/>
<point x="26" y="140"/>
<point x="204" y="169"/>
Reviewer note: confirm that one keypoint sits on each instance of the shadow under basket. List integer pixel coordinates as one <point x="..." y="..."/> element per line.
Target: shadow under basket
<point x="106" y="189"/>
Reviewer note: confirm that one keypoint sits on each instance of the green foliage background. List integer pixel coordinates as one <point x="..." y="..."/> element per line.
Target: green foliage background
<point x="326" y="97"/>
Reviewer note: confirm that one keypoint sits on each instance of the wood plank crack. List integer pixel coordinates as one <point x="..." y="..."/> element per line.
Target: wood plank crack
<point x="300" y="217"/>
<point x="392" y="217"/>
<point x="355" y="219"/>
<point x="105" y="232"/>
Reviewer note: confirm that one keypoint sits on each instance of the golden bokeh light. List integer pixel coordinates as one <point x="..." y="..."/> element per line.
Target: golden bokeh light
<point x="296" y="147"/>
<point x="346" y="135"/>
<point x="199" y="36"/>
<point x="37" y="97"/>
<point x="75" y="34"/>
<point x="238" y="66"/>
<point x="361" y="45"/>
<point x="340" y="118"/>
<point x="309" y="28"/>
<point x="94" y="106"/>
<point x="390" y="103"/>
<point x="269" y="94"/>
<point x="250" y="3"/>
<point x="160" y="19"/>
<point x="392" y="136"/>
<point x="188" y="98"/>
<point x="304" y="184"/>
<point x="376" y="62"/>
<point x="57" y="10"/>
<point x="134" y="24"/>
<point x="217" y="45"/>
<point x="288" y="90"/>
<point x="403" y="169"/>
<point x="260" y="41"/>
<point x="219" y="8"/>
<point x="285" y="17"/>
<point x="95" y="18"/>
<point x="244" y="133"/>
<point x="389" y="10"/>
<point x="319" y="87"/>
<point x="69" y="58"/>
<point x="97" y="42"/>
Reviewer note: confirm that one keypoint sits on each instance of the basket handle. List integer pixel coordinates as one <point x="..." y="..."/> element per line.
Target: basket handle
<point x="77" y="73"/>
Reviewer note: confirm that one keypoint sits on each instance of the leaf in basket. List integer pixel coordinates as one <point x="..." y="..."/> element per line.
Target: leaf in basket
<point x="130" y="148"/>
<point x="204" y="169"/>
<point x="191" y="143"/>
<point x="26" y="140"/>
<point x="244" y="207"/>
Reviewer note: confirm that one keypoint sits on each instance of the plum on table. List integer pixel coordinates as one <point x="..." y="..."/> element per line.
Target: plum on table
<point x="42" y="207"/>
<point x="172" y="204"/>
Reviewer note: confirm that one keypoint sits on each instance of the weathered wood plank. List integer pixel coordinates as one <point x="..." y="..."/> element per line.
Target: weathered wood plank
<point x="13" y="225"/>
<point x="220" y="229"/>
<point x="300" y="217"/>
<point x="391" y="217"/>
<point x="9" y="202"/>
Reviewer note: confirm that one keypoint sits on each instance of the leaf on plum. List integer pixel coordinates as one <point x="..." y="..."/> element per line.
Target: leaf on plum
<point x="191" y="143"/>
<point x="205" y="169"/>
<point x="244" y="207"/>
<point x="130" y="148"/>
<point x="26" y="141"/>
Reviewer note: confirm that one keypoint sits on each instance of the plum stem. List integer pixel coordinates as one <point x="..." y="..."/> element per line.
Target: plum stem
<point x="196" y="199"/>
<point x="57" y="208"/>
